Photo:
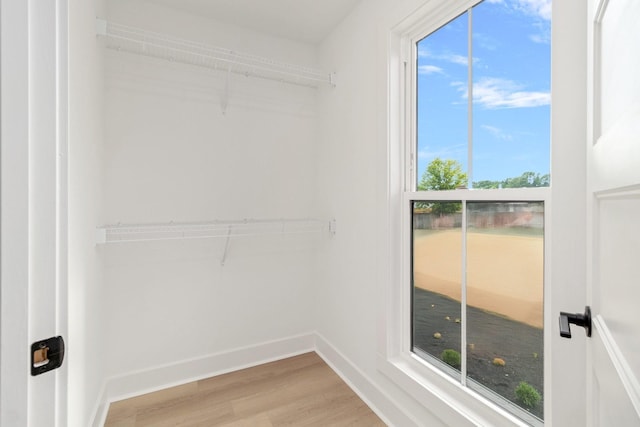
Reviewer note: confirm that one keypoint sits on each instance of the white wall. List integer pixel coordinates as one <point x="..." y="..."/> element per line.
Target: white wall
<point x="86" y="340"/>
<point x="171" y="155"/>
<point x="353" y="164"/>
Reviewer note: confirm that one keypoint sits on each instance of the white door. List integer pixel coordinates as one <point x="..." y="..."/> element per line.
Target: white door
<point x="613" y="193"/>
<point x="33" y="208"/>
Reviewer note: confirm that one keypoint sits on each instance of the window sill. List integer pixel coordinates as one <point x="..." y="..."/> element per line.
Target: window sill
<point x="443" y="396"/>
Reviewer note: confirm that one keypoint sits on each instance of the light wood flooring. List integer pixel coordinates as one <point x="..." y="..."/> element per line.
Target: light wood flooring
<point x="298" y="391"/>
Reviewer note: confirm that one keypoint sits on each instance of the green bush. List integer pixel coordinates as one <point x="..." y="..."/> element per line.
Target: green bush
<point x="527" y="395"/>
<point x="451" y="357"/>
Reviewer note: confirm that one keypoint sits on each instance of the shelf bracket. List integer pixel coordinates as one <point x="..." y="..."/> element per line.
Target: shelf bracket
<point x="224" y="98"/>
<point x="332" y="227"/>
<point x="226" y="247"/>
<point x="101" y="236"/>
<point x="101" y="27"/>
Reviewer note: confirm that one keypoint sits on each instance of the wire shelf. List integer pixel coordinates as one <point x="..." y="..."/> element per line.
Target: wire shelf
<point x="123" y="233"/>
<point x="134" y="40"/>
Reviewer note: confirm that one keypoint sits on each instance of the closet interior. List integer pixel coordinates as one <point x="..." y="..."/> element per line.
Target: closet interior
<point x="211" y="226"/>
<point x="224" y="193"/>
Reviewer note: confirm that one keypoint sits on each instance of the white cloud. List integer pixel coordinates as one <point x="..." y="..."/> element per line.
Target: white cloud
<point x="452" y="58"/>
<point x="538" y="8"/>
<point x="502" y="93"/>
<point x="457" y="84"/>
<point x="544" y="35"/>
<point x="497" y="132"/>
<point x="485" y="41"/>
<point x="455" y="59"/>
<point x="429" y="69"/>
<point x="447" y="152"/>
<point x="543" y="38"/>
<point x="423" y="52"/>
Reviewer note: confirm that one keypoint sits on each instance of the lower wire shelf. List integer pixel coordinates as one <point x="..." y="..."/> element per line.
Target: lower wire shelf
<point x="125" y="233"/>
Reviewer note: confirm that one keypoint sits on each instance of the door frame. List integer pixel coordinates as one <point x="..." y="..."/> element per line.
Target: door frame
<point x="30" y="93"/>
<point x="14" y="209"/>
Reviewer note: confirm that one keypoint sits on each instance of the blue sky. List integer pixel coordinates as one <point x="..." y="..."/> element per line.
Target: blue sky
<point x="511" y="90"/>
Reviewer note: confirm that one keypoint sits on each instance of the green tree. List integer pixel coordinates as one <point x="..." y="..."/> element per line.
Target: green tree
<point x="527" y="179"/>
<point x="443" y="175"/>
<point x="486" y="185"/>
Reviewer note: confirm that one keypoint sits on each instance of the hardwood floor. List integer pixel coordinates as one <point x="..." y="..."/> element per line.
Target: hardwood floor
<point x="299" y="391"/>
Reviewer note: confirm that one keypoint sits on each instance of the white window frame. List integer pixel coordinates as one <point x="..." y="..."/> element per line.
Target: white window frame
<point x="441" y="394"/>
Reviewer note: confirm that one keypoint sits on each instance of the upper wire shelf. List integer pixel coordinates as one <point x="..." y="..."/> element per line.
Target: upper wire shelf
<point x="156" y="45"/>
<point x="122" y="233"/>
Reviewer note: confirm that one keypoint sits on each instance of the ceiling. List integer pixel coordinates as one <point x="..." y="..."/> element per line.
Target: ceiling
<point x="308" y="21"/>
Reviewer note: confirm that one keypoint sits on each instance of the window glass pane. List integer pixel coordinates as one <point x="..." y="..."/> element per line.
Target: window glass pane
<point x="511" y="94"/>
<point x="505" y="269"/>
<point x="437" y="278"/>
<point x="442" y="80"/>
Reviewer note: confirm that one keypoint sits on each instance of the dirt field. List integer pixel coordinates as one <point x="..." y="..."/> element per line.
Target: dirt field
<point x="489" y="336"/>
<point x="504" y="272"/>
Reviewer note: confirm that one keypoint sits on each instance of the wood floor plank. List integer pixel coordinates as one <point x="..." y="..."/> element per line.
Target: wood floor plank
<point x="122" y="422"/>
<point x="121" y="415"/>
<point x="325" y="410"/>
<point x="189" y="412"/>
<point x="256" y="381"/>
<point x="298" y="391"/>
<point x="299" y="385"/>
<point x="258" y="373"/>
<point x="260" y="420"/>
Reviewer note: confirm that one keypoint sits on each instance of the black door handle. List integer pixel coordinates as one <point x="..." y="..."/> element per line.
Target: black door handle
<point x="578" y="319"/>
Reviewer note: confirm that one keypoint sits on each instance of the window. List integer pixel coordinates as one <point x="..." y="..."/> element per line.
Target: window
<point x="483" y="95"/>
<point x="474" y="224"/>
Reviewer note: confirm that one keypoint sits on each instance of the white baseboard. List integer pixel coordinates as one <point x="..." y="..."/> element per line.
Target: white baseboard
<point x="160" y="377"/>
<point x="376" y="398"/>
<point x="102" y="408"/>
